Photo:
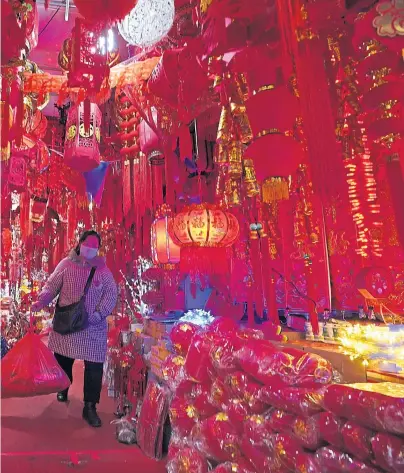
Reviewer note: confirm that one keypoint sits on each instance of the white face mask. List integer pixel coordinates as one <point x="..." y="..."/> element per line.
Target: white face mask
<point x="87" y="252"/>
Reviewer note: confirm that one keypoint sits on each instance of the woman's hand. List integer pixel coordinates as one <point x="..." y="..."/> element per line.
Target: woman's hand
<point x="36" y="307"/>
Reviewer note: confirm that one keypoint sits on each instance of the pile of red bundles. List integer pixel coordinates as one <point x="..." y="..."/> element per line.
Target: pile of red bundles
<point x="378" y="406"/>
<point x="152" y="417"/>
<point x="30" y="369"/>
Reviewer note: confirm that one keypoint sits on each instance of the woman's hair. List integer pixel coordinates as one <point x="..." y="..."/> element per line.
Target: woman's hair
<point x="83" y="238"/>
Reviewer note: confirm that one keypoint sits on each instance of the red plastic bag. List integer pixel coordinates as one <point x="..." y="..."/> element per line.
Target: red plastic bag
<point x="187" y="460"/>
<point x="30" y="369"/>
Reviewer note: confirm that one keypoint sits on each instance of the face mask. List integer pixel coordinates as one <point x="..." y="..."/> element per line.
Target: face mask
<point x="87" y="252"/>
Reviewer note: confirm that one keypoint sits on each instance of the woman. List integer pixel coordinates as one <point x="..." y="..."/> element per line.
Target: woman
<point x="68" y="281"/>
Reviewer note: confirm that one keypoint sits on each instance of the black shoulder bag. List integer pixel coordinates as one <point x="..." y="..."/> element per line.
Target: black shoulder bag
<point x="74" y="317"/>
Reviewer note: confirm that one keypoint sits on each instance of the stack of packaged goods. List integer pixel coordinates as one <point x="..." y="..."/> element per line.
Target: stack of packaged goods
<point x="240" y="404"/>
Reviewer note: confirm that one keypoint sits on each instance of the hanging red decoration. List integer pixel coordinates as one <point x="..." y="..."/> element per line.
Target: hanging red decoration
<point x="104" y="11"/>
<point x="204" y="232"/>
<point x="276" y="157"/>
<point x="82" y="145"/>
<point x="164" y="250"/>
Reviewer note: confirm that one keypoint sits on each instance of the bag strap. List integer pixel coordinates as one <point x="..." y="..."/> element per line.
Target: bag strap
<point x="89" y="281"/>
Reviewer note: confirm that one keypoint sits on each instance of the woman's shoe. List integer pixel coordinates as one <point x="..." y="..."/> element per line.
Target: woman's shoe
<point x="90" y="414"/>
<point x="62" y="396"/>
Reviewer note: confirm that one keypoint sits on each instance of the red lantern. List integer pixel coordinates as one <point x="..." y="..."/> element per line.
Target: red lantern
<point x="164" y="250"/>
<point x="282" y="104"/>
<point x="276" y="157"/>
<point x="104" y="11"/>
<point x="81" y="144"/>
<point x="204" y="232"/>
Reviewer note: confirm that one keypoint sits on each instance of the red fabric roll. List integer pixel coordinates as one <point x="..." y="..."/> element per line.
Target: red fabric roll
<point x="388" y="451"/>
<point x="330" y="427"/>
<point x="357" y="440"/>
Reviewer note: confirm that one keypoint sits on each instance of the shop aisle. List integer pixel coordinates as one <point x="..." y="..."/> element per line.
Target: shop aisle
<point x="40" y="435"/>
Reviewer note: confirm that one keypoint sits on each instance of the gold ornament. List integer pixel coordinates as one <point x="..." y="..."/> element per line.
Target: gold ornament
<point x="250" y="180"/>
<point x="71" y="132"/>
<point x="235" y="160"/>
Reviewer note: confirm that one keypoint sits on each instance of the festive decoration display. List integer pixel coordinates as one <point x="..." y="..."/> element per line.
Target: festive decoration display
<point x="244" y="169"/>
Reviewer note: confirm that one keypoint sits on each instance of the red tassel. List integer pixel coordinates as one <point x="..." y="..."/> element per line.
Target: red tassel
<point x="204" y="261"/>
<point x="157" y="177"/>
<point x="5" y="124"/>
<point x="19" y="117"/>
<point x="46" y="4"/>
<point x="256" y="266"/>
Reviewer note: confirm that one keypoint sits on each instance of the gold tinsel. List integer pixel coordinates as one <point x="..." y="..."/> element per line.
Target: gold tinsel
<point x="224" y="128"/>
<point x="235" y="155"/>
<point x="275" y="189"/>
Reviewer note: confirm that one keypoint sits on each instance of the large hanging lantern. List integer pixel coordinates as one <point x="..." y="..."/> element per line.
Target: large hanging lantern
<point x="82" y="139"/>
<point x="148" y="23"/>
<point x="104" y="11"/>
<point x="204" y="232"/>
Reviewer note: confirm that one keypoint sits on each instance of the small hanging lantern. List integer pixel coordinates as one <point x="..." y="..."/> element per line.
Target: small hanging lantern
<point x="204" y="232"/>
<point x="82" y="142"/>
<point x="165" y="253"/>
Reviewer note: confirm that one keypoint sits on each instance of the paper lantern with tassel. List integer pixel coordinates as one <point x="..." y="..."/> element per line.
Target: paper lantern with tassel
<point x="81" y="145"/>
<point x="204" y="232"/>
<point x="275" y="157"/>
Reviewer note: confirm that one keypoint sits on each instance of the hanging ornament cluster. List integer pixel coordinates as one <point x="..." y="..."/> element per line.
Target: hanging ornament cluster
<point x="204" y="232"/>
<point x="148" y="22"/>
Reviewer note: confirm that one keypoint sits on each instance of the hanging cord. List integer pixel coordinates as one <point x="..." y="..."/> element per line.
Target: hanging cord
<point x="50" y="19"/>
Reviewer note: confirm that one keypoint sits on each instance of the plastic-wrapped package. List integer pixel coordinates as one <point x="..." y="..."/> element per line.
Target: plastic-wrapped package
<point x="287" y="450"/>
<point x="181" y="336"/>
<point x="203" y="405"/>
<point x="280" y="421"/>
<point x="312" y="368"/>
<point x="261" y="360"/>
<point x="307" y="463"/>
<point x="330" y="427"/>
<point x="125" y="431"/>
<point x="301" y="401"/>
<point x="257" y="429"/>
<point x="223" y="326"/>
<point x="388" y="451"/>
<point x="222" y="353"/>
<point x="357" y="440"/>
<point x="216" y="438"/>
<point x="30" y="369"/>
<point x="306" y="431"/>
<point x="153" y="414"/>
<point x="240" y="467"/>
<point x="378" y="406"/>
<point x="173" y="371"/>
<point x="198" y="363"/>
<point x="238" y="412"/>
<point x="332" y="460"/>
<point x="183" y="416"/>
<point x="262" y="457"/>
<point x="219" y="394"/>
<point x="245" y="388"/>
<point x="187" y="460"/>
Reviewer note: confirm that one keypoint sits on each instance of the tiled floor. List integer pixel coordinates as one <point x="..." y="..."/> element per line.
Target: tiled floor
<point x="41" y="435"/>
